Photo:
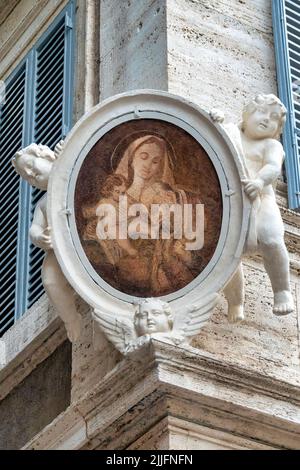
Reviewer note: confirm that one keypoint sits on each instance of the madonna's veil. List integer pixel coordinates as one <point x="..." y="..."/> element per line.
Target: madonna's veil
<point x="167" y="175"/>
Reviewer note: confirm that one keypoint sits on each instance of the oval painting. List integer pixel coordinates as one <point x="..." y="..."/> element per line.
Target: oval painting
<point x="148" y="208"/>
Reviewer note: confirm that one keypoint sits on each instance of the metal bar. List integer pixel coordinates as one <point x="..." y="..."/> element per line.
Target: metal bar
<point x="51" y="61"/>
<point x="25" y="194"/>
<point x="41" y="104"/>
<point x="51" y="111"/>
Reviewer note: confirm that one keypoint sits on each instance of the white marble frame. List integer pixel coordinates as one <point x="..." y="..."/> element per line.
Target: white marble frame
<point x="71" y="193"/>
<point x="224" y="157"/>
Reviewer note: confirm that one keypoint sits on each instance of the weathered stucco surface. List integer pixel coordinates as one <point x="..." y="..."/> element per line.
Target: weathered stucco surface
<point x="90" y="364"/>
<point x="220" y="52"/>
<point x="133" y="46"/>
<point x="262" y="342"/>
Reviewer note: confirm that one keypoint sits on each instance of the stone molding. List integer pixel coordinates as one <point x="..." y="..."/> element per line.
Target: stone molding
<point x="87" y="57"/>
<point x="185" y="384"/>
<point x="25" y="24"/>
<point x="180" y="434"/>
<point x="28" y="343"/>
<point x="6" y="8"/>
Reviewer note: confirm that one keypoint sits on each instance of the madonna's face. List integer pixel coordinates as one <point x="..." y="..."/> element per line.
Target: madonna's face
<point x="147" y="160"/>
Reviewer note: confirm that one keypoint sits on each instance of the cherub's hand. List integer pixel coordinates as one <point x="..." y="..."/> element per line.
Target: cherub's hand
<point x="45" y="242"/>
<point x="181" y="251"/>
<point x="59" y="148"/>
<point x="216" y="115"/>
<point x="42" y="239"/>
<point x="253" y="187"/>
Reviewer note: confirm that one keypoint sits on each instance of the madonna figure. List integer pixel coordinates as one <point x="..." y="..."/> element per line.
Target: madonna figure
<point x="146" y="174"/>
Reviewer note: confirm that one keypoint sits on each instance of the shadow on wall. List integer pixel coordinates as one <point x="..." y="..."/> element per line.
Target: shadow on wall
<point x="42" y="396"/>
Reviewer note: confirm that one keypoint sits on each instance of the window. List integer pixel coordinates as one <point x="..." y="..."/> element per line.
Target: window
<point x="37" y="108"/>
<point x="286" y="24"/>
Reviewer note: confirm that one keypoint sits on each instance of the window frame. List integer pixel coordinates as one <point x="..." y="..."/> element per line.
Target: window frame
<point x="25" y="206"/>
<point x="284" y="79"/>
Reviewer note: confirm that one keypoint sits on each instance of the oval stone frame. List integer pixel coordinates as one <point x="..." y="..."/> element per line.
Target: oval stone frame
<point x="211" y="136"/>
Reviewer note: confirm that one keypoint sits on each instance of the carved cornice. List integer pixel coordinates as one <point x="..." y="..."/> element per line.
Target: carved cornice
<point x="6" y="8"/>
<point x="290" y="217"/>
<point x="163" y="380"/>
<point x="28" y="343"/>
<point x="23" y="25"/>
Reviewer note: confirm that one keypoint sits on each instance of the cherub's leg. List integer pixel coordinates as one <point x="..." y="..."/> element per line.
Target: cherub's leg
<point x="270" y="232"/>
<point x="61" y="295"/>
<point x="234" y="293"/>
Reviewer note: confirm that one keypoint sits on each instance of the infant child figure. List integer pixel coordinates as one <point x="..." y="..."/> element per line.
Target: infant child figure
<point x="114" y="187"/>
<point x="256" y="141"/>
<point x="34" y="164"/>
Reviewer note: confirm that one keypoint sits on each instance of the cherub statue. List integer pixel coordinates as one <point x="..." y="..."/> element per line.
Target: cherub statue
<point x="34" y="164"/>
<point x="256" y="140"/>
<point x="154" y="318"/>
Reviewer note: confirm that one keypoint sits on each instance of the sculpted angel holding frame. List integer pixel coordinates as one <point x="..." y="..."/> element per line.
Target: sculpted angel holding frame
<point x="256" y="140"/>
<point x="34" y="163"/>
<point x="146" y="174"/>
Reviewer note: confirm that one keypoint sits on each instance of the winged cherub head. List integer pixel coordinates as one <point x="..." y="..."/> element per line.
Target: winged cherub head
<point x="153" y="316"/>
<point x="130" y="332"/>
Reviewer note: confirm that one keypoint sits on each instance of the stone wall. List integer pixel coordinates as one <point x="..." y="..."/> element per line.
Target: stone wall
<point x="216" y="53"/>
<point x="220" y="52"/>
<point x="133" y="46"/>
<point x="37" y="400"/>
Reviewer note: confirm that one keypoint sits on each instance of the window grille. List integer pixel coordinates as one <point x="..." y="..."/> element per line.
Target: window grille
<point x="37" y="107"/>
<point x="286" y="26"/>
<point x="11" y="132"/>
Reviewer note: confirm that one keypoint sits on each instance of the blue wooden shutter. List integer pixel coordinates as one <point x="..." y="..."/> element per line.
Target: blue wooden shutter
<point x="286" y="25"/>
<point x="52" y="112"/>
<point x="38" y="108"/>
<point x="11" y="139"/>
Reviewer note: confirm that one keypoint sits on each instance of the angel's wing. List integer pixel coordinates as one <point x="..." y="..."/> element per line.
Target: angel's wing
<point x="192" y="318"/>
<point x="120" y="332"/>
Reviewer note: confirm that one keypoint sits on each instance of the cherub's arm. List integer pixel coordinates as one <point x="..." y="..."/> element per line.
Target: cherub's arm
<point x="273" y="158"/>
<point x="39" y="231"/>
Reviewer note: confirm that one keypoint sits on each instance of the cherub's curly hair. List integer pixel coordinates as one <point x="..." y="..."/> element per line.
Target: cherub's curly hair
<point x="111" y="182"/>
<point x="36" y="150"/>
<point x="260" y="100"/>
